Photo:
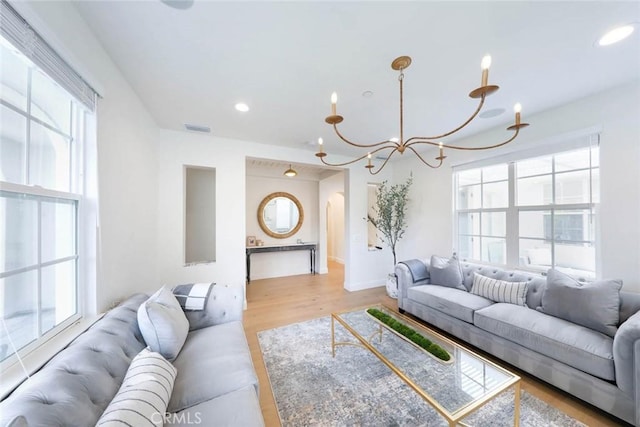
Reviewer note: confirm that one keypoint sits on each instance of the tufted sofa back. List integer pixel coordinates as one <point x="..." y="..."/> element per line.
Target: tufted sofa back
<point x="629" y="301"/>
<point x="75" y="387"/>
<point x="536" y="283"/>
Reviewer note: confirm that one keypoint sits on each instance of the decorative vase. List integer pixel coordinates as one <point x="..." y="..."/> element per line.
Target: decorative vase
<point x="392" y="285"/>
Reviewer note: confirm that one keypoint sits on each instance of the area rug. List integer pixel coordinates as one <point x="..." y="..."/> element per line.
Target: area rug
<point x="311" y="388"/>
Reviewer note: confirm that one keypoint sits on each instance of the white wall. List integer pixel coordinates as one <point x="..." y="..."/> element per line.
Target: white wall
<point x="126" y="157"/>
<point x="280" y="264"/>
<point x="364" y="269"/>
<point x="177" y="149"/>
<point x="617" y="112"/>
<point x="335" y="228"/>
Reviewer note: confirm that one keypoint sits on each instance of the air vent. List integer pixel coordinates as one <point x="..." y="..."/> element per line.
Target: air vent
<point x="197" y="128"/>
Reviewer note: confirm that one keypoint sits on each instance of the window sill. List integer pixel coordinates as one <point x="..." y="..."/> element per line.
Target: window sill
<point x="14" y="374"/>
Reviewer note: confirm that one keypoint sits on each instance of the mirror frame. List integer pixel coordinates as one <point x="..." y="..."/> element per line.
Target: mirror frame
<point x="264" y="203"/>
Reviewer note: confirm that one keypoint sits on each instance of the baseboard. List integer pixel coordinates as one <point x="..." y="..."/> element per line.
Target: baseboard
<point x="335" y="259"/>
<point x="352" y="287"/>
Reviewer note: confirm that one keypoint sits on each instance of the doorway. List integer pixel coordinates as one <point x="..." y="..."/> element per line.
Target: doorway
<point x="335" y="230"/>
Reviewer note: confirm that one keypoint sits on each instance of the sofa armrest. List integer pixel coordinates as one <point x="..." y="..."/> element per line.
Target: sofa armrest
<point x="225" y="304"/>
<point x="405" y="281"/>
<point x="626" y="357"/>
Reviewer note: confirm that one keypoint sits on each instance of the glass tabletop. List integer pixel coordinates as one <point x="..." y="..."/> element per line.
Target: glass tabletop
<point x="458" y="386"/>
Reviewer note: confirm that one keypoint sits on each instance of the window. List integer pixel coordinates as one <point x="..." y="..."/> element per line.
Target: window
<point x="483" y="199"/>
<point x="536" y="212"/>
<point x="42" y="150"/>
<point x="556" y="197"/>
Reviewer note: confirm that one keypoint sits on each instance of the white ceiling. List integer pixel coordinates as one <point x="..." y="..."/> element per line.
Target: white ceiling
<point x="285" y="58"/>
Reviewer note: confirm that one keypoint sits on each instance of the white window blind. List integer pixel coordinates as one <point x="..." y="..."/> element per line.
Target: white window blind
<point x="19" y="33"/>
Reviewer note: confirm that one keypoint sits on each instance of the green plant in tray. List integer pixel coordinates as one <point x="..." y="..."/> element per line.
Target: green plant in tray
<point x="410" y="334"/>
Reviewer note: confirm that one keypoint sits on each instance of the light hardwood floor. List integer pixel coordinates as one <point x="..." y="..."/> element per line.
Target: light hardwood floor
<point x="277" y="302"/>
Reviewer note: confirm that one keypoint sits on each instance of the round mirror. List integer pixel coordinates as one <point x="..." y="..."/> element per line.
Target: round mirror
<point x="280" y="215"/>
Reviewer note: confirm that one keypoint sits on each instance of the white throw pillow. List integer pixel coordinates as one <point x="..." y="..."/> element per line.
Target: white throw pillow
<point x="499" y="290"/>
<point x="163" y="323"/>
<point x="144" y="394"/>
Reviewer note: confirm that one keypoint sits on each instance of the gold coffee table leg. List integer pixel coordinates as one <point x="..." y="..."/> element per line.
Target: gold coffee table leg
<point x="333" y="338"/>
<point x="516" y="412"/>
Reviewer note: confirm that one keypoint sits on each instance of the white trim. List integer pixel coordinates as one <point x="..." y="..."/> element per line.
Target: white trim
<point x="352" y="287"/>
<point x="36" y="190"/>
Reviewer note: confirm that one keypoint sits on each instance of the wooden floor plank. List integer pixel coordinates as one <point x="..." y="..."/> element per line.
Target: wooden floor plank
<point x="281" y="301"/>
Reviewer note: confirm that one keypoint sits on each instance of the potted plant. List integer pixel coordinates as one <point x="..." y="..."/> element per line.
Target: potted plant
<point x="390" y="220"/>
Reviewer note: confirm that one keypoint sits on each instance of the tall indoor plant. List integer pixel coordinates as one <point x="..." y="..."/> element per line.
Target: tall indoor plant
<point x="390" y="219"/>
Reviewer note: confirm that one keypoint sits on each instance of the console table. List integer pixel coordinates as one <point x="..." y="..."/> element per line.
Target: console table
<point x="311" y="247"/>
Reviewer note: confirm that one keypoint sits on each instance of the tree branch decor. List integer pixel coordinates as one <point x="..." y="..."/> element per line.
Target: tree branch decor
<point x="390" y="212"/>
<point x="410" y="334"/>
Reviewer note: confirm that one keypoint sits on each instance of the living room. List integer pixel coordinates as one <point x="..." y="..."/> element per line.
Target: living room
<point x="147" y="92"/>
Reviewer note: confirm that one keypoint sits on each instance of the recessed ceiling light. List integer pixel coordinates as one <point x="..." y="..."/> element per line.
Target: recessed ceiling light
<point x="616" y="35"/>
<point x="367" y="93"/>
<point x="394" y="139"/>
<point x="241" y="106"/>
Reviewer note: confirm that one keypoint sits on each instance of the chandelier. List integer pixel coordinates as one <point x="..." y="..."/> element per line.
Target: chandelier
<point x="400" y="145"/>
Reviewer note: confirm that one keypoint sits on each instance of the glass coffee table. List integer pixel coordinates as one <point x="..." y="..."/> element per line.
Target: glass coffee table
<point x="455" y="388"/>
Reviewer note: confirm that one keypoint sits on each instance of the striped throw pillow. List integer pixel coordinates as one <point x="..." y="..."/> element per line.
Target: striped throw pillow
<point x="499" y="290"/>
<point x="144" y="394"/>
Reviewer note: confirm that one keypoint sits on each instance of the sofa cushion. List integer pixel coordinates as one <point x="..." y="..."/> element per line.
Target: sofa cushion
<point x="75" y="387"/>
<point x="446" y="272"/>
<point x="238" y="408"/>
<point x="144" y="393"/>
<point x="455" y="302"/>
<point x="163" y="323"/>
<point x="595" y="305"/>
<point x="213" y="361"/>
<point x="566" y="342"/>
<point x="499" y="290"/>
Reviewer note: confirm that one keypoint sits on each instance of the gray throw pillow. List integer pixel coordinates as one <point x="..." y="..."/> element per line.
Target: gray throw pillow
<point x="595" y="305"/>
<point x="446" y="272"/>
<point x="499" y="290"/>
<point x="163" y="323"/>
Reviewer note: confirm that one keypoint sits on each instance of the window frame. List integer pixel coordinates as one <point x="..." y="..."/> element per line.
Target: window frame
<point x="588" y="140"/>
<point x="79" y="115"/>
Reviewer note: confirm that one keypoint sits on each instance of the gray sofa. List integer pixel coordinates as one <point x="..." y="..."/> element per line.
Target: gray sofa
<point x="216" y="381"/>
<point x="601" y="370"/>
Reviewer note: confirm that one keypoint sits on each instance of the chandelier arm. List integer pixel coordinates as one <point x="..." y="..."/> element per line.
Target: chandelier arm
<point x="457" y="147"/>
<point x="424" y="161"/>
<point x="342" y="164"/>
<point x="473" y="116"/>
<point x="488" y="147"/>
<point x="385" y="161"/>
<point x="335" y="128"/>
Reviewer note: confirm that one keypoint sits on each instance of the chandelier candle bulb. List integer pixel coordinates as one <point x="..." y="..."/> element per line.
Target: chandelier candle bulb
<point x="441" y="149"/>
<point x="517" y="109"/>
<point x="334" y="101"/>
<point x="485" y="64"/>
<point x="320" y="145"/>
<point x="369" y="158"/>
